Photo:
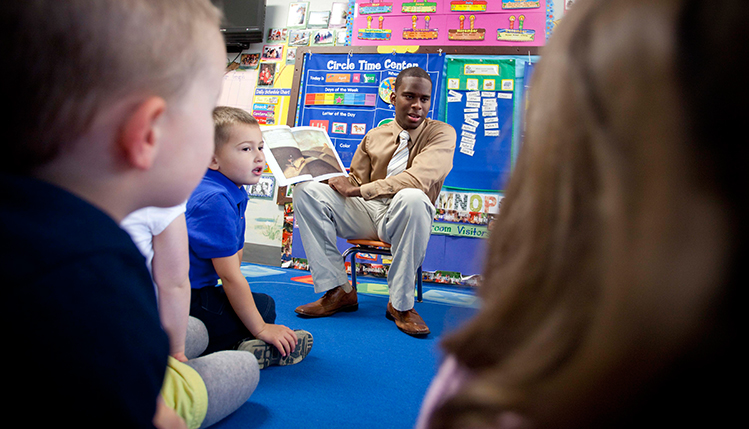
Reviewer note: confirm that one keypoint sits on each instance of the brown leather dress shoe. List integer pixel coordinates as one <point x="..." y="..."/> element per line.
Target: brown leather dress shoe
<point x="407" y="321"/>
<point x="333" y="301"/>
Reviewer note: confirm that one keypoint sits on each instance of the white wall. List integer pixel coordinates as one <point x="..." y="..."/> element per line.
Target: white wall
<point x="277" y="11"/>
<point x="276" y="14"/>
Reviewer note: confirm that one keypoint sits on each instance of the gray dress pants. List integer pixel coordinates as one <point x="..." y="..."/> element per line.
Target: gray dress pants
<point x="405" y="221"/>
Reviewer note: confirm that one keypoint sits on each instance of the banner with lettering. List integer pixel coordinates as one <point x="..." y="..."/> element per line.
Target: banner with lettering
<point x="349" y="94"/>
<point x="465" y="214"/>
<point x="477" y="202"/>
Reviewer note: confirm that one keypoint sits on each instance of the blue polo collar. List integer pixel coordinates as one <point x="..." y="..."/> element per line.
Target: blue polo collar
<point x="237" y="194"/>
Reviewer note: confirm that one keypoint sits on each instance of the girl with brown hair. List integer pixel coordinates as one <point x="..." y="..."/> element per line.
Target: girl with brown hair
<point x="611" y="289"/>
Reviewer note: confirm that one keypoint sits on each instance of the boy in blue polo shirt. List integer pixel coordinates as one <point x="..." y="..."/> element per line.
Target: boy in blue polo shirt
<point x="236" y="318"/>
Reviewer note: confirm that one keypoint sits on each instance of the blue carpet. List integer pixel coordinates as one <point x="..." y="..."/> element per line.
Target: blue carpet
<point x="362" y="371"/>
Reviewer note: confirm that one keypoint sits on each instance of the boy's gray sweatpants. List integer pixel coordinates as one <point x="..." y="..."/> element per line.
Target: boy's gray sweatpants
<point x="230" y="376"/>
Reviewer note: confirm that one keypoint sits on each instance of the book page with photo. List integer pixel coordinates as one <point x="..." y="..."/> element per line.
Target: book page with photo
<point x="300" y="154"/>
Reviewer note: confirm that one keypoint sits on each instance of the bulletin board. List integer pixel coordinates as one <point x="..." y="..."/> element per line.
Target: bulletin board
<point x="348" y="94"/>
<point x="324" y="77"/>
<point x="450" y="22"/>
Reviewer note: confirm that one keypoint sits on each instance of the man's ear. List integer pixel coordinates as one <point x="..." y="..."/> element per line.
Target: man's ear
<point x="140" y="132"/>
<point x="392" y="97"/>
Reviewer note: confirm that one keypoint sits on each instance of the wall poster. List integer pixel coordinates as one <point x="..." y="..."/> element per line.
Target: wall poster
<point x="480" y="106"/>
<point x="450" y="22"/>
<point x="349" y="94"/>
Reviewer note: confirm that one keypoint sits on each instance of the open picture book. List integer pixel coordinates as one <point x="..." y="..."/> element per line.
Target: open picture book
<point x="300" y="154"/>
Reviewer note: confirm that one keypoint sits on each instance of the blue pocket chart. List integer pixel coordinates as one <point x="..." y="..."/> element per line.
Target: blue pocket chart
<point x="480" y="106"/>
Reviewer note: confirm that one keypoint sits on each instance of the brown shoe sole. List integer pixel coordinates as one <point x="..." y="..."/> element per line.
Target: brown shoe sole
<point x="346" y="308"/>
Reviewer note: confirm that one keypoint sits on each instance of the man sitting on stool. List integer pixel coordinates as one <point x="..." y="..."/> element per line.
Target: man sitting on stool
<point x="396" y="175"/>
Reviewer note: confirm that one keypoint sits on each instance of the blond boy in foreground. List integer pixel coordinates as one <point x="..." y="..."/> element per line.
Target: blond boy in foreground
<point x="112" y="103"/>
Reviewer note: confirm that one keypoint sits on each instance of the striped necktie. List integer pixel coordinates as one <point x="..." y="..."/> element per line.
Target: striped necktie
<point x="400" y="157"/>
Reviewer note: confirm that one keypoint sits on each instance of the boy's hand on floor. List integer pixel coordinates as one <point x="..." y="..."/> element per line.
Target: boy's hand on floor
<point x="280" y="336"/>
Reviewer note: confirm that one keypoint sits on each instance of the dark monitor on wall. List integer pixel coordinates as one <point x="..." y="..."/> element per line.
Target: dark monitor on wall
<point x="243" y="22"/>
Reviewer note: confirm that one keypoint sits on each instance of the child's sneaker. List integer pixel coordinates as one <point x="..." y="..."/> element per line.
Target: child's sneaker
<point x="268" y="354"/>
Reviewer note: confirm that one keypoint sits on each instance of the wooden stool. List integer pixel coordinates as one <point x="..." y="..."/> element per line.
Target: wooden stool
<point x="377" y="247"/>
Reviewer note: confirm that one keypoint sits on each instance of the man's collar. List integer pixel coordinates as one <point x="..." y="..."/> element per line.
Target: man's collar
<point x="413" y="133"/>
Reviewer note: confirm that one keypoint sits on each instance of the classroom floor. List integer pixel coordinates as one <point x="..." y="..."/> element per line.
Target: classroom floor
<point x="362" y="371"/>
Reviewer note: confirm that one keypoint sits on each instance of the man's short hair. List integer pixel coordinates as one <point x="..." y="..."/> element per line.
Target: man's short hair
<point x="224" y="118"/>
<point x="412" y="72"/>
<point x="64" y="62"/>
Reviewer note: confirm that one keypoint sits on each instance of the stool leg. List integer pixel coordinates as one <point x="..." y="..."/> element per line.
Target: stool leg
<point x="353" y="269"/>
<point x="418" y="285"/>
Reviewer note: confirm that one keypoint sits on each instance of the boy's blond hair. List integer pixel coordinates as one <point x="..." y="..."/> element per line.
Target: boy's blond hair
<point x="106" y="52"/>
<point x="224" y="118"/>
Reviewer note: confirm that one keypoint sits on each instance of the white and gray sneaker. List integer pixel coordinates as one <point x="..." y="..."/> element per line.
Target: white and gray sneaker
<point x="268" y="354"/>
